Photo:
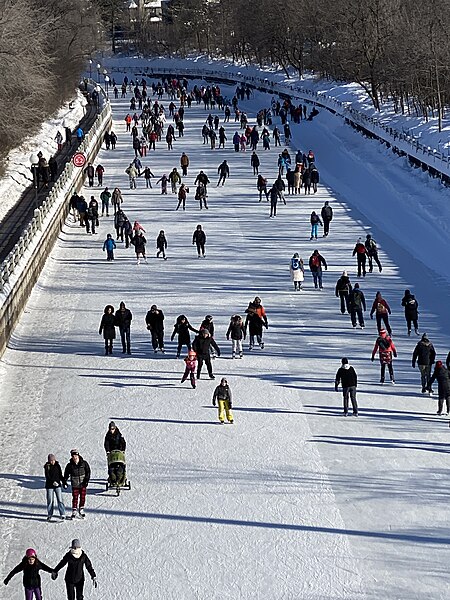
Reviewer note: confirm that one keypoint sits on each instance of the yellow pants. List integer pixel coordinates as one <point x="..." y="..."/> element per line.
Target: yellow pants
<point x="224" y="408"/>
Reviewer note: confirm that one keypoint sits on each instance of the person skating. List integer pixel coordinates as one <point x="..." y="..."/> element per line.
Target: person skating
<point x="79" y="473"/>
<point x="314" y="181"/>
<point x="297" y="271"/>
<point x="372" y="253"/>
<point x="342" y="291"/>
<point x="116" y="199"/>
<point x="442" y="376"/>
<point x="254" y="163"/>
<point x="361" y="254"/>
<point x="161" y="245"/>
<point x="202" y="178"/>
<point x="208" y="324"/>
<point x="147" y="173"/>
<point x="155" y="324"/>
<point x="274" y="195"/>
<point x="139" y="241"/>
<point x="425" y="355"/>
<point x="357" y="305"/>
<point x="261" y="186"/>
<point x="223" y="398"/>
<point x="107" y="328"/>
<point x="190" y="362"/>
<point x="223" y="171"/>
<point x="327" y="216"/>
<point x="175" y="179"/>
<point x="53" y="486"/>
<point x="236" y="331"/>
<point x="346" y="375"/>
<point x="382" y="311"/>
<point x="163" y="180"/>
<point x="255" y="321"/>
<point x="386" y="350"/>
<point x="202" y="345"/>
<point x="184" y="163"/>
<point x="132" y="173"/>
<point x="411" y="307"/>
<point x="182" y="195"/>
<point x="199" y="240"/>
<point x="182" y="328"/>
<point x="200" y="195"/>
<point x="316" y="260"/>
<point x="76" y="560"/>
<point x="30" y="566"/>
<point x="315" y="222"/>
<point x="122" y="320"/>
<point x="89" y="172"/>
<point x="109" y="245"/>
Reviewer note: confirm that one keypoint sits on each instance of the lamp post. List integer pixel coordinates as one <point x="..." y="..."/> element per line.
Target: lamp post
<point x="99" y="66"/>
<point x="34" y="162"/>
<point x="90" y="68"/>
<point x="107" y="85"/>
<point x="133" y="11"/>
<point x="98" y="89"/>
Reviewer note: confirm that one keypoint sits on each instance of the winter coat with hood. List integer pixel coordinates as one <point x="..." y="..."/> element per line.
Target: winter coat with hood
<point x="356" y="298"/>
<point x="343" y="285"/>
<point x="236" y="329"/>
<point x="107" y="324"/>
<point x="380" y="306"/>
<point x="347" y="376"/>
<point x="222" y="392"/>
<point x="76" y="559"/>
<point x="155" y="320"/>
<point x="202" y="344"/>
<point x="31" y="577"/>
<point x="182" y="328"/>
<point x="386" y="348"/>
<point x="123" y="318"/>
<point x="78" y="473"/>
<point x="114" y="441"/>
<point x="411" y="305"/>
<point x="442" y="376"/>
<point x="424" y="352"/>
<point x="53" y="475"/>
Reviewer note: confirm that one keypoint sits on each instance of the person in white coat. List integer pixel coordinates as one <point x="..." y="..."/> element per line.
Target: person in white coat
<point x="297" y="271"/>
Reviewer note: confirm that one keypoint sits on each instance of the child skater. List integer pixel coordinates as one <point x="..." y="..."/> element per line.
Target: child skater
<point x="191" y="365"/>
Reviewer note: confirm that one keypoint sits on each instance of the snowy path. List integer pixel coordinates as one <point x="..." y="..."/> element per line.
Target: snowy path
<point x="293" y="501"/>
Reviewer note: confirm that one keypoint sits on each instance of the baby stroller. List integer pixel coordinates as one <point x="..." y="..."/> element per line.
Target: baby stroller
<point x="117" y="473"/>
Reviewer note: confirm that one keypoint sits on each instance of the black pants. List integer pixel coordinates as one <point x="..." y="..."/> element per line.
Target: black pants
<point x="201" y="249"/>
<point x="125" y="338"/>
<point x="385" y="318"/>
<point x="374" y="257"/>
<point x="75" y="587"/>
<point x="181" y="344"/>
<point x="441" y="403"/>
<point x="412" y="320"/>
<point x="361" y="258"/>
<point x="390" y="369"/>
<point x="344" y="302"/>
<point x="273" y="209"/>
<point x="157" y="339"/>
<point x="350" y="392"/>
<point x="357" y="311"/>
<point x="108" y="346"/>
<point x="207" y="361"/>
<point x="326" y="227"/>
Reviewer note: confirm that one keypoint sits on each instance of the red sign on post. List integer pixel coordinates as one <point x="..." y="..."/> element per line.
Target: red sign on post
<point x="79" y="159"/>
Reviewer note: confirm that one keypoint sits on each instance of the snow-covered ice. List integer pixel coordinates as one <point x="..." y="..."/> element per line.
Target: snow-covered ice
<point x="293" y="501"/>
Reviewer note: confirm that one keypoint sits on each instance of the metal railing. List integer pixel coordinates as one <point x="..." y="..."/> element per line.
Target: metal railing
<point x="59" y="189"/>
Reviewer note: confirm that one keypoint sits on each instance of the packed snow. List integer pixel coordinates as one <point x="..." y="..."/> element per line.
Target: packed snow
<point x="293" y="501"/>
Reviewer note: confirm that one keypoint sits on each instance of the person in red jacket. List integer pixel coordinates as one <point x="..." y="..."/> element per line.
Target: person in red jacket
<point x="361" y="253"/>
<point x="381" y="309"/>
<point x="386" y="350"/>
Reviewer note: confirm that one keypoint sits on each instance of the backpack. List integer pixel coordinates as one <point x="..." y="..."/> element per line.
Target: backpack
<point x="295" y="264"/>
<point x="384" y="343"/>
<point x="381" y="307"/>
<point x="315" y="260"/>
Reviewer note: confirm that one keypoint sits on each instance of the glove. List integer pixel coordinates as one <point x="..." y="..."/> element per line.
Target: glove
<point x="230" y="405"/>
<point x="228" y="337"/>
<point x="395" y="354"/>
<point x="218" y="353"/>
<point x="213" y="402"/>
<point x="413" y="365"/>
<point x="266" y="326"/>
<point x="371" y="316"/>
<point x="148" y="327"/>
<point x="94" y="582"/>
<point x="372" y="359"/>
<point x="336" y="388"/>
<point x="6" y="581"/>
<point x="54" y="575"/>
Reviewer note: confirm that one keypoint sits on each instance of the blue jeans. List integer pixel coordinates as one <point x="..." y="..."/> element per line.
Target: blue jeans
<point x="314" y="229"/>
<point x="51" y="493"/>
<point x="317" y="276"/>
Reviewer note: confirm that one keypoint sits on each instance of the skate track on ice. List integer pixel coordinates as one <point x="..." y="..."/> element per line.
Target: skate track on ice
<point x="294" y="501"/>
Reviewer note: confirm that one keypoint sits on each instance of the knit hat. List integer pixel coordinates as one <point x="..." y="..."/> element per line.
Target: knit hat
<point x="30" y="552"/>
<point x="74" y="451"/>
<point x="344" y="273"/>
<point x="51" y="457"/>
<point x="425" y="337"/>
<point x="356" y="286"/>
<point x="438" y="364"/>
<point x="344" y="361"/>
<point x="75" y="544"/>
<point x="112" y="425"/>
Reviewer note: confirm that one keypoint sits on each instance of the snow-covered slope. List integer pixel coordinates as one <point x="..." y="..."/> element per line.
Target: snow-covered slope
<point x="291" y="502"/>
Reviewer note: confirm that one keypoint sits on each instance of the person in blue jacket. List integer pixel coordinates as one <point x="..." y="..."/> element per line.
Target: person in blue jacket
<point x="109" y="245"/>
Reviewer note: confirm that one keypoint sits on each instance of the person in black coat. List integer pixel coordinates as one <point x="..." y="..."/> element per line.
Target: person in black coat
<point x="155" y="324"/>
<point x="53" y="485"/>
<point x="346" y="375"/>
<point x="255" y="162"/>
<point x="107" y="328"/>
<point x="79" y="473"/>
<point x="30" y="565"/>
<point x="76" y="560"/>
<point x="442" y="376"/>
<point x="224" y="171"/>
<point x="327" y="216"/>
<point x="411" y="306"/>
<point x="425" y="355"/>
<point x="122" y="320"/>
<point x="202" y="346"/>
<point x="357" y="305"/>
<point x="314" y="181"/>
<point x="182" y="328"/>
<point x="114" y="440"/>
<point x="199" y="239"/>
<point x="342" y="291"/>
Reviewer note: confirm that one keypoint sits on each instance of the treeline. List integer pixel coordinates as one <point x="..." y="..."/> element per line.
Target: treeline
<point x="43" y="49"/>
<point x="393" y="48"/>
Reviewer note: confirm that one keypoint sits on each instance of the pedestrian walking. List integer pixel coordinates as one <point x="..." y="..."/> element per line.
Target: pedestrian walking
<point x="314" y="182"/>
<point x="53" y="486"/>
<point x="139" y="241"/>
<point x="105" y="197"/>
<point x="89" y="172"/>
<point x="315" y="222"/>
<point x="386" y="350"/>
<point x="122" y="320"/>
<point x="181" y="329"/>
<point x="425" y="355"/>
<point x="116" y="199"/>
<point x="346" y="375"/>
<point x="155" y="324"/>
<point x="76" y="560"/>
<point x="99" y="171"/>
<point x="79" y="473"/>
<point x="161" y="245"/>
<point x="107" y="328"/>
<point x="223" y="398"/>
